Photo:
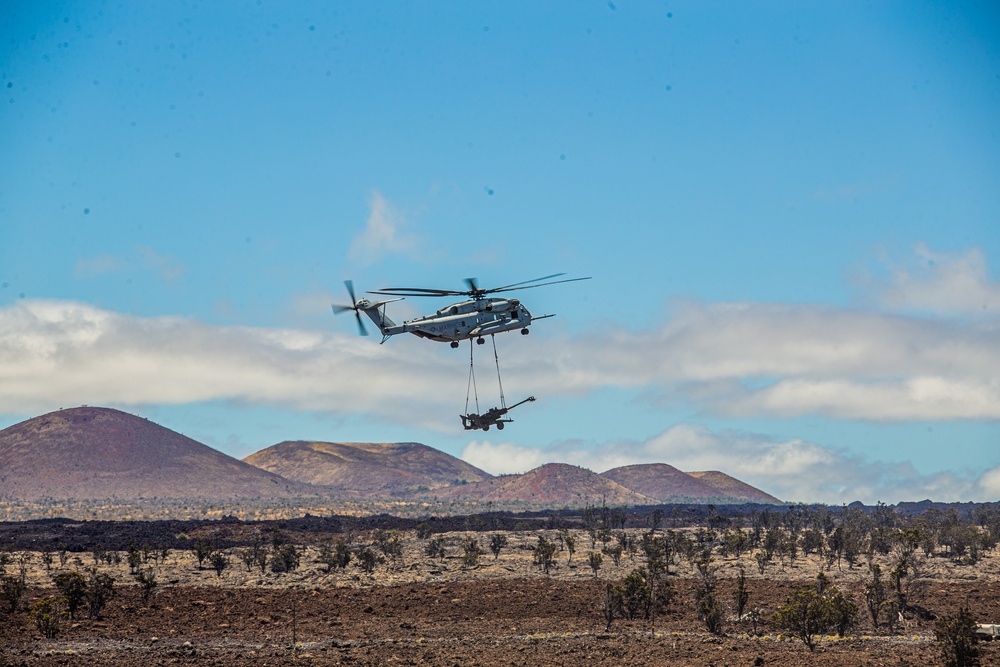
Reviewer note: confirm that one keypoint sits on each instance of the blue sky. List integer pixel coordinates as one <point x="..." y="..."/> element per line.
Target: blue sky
<point x="791" y="213"/>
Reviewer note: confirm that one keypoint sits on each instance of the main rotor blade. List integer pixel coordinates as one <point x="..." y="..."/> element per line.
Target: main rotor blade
<point x="475" y="290"/>
<point x="525" y="282"/>
<point x="554" y="282"/>
<point x="416" y="291"/>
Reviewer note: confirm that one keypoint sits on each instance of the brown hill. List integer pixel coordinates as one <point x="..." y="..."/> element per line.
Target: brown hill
<point x="663" y="482"/>
<point x="734" y="488"/>
<point x="98" y="453"/>
<point x="552" y="483"/>
<point x="370" y="468"/>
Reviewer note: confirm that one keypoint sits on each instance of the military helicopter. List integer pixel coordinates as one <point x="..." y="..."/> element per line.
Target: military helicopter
<point x="470" y="319"/>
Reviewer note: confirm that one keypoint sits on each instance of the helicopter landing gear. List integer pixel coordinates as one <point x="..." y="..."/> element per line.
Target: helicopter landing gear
<point x="454" y="344"/>
<point x="480" y="340"/>
<point x="524" y="331"/>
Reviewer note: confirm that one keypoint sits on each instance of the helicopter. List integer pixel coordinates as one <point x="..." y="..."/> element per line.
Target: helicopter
<point x="471" y="319"/>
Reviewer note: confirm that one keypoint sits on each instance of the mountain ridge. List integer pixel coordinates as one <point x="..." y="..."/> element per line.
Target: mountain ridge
<point x="103" y="453"/>
<point x="106" y="453"/>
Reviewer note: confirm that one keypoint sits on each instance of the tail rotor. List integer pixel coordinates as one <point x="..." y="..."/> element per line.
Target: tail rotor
<point x="338" y="309"/>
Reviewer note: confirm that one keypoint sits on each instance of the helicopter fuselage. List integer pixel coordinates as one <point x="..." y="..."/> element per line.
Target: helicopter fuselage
<point x="460" y="321"/>
<point x="473" y="318"/>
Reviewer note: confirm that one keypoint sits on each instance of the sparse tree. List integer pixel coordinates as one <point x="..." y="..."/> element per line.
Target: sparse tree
<point x="762" y="559"/>
<point x="98" y="554"/>
<point x="742" y="594"/>
<point x="707" y="605"/>
<point x="805" y="615"/>
<point x="875" y="594"/>
<point x="285" y="558"/>
<point x="812" y="541"/>
<point x="219" y="562"/>
<point x="615" y="552"/>
<point x="570" y="542"/>
<point x="611" y="602"/>
<point x="46" y="614"/>
<point x="843" y="611"/>
<point x="134" y="559"/>
<point x="202" y="548"/>
<point x="497" y="542"/>
<point x="595" y="560"/>
<point x="735" y="542"/>
<point x="545" y="553"/>
<point x="12" y="589"/>
<point x="424" y="530"/>
<point x="100" y="590"/>
<point x="389" y="543"/>
<point x="890" y="611"/>
<point x="472" y="552"/>
<point x="435" y="548"/>
<point x="147" y="583"/>
<point x="248" y="557"/>
<point x="73" y="588"/>
<point x="637" y="596"/>
<point x="368" y="560"/>
<point x="956" y="637"/>
<point x="334" y="555"/>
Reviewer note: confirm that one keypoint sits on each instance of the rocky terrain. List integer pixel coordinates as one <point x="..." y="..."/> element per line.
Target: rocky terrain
<point x="441" y="610"/>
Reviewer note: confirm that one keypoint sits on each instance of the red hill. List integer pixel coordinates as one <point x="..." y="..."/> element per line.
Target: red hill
<point x="663" y="482"/>
<point x="552" y="484"/>
<point x="370" y="468"/>
<point x="99" y="453"/>
<point x="734" y="488"/>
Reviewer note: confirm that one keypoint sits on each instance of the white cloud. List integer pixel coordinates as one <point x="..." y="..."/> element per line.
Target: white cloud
<point x="503" y="458"/>
<point x="792" y="470"/>
<point x="760" y="360"/>
<point x="56" y="353"/>
<point x="956" y="283"/>
<point x="754" y="359"/>
<point x="383" y="234"/>
<point x="989" y="484"/>
<point x="167" y="267"/>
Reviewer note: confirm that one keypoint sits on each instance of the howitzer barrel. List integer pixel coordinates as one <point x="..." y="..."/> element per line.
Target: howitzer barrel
<point x="530" y="398"/>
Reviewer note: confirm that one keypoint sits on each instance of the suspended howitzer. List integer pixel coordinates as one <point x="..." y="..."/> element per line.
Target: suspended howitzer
<point x="473" y="422"/>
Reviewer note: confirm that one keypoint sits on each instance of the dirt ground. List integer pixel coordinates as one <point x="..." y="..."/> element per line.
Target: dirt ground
<point x="424" y="611"/>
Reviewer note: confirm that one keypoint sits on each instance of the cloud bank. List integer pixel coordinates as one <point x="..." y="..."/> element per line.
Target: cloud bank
<point x="793" y="470"/>
<point x="729" y="360"/>
<point x="55" y="353"/>
<point x="956" y="283"/>
<point x="726" y="360"/>
<point x="769" y="360"/>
